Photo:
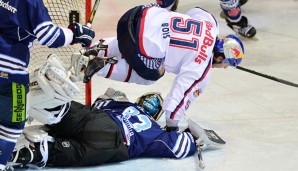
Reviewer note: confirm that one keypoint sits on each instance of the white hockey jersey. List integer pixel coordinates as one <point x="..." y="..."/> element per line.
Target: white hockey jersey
<point x="185" y="44"/>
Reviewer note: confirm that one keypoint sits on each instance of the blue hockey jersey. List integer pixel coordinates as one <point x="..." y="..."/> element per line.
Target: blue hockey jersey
<point x="143" y="135"/>
<point x="22" y="22"/>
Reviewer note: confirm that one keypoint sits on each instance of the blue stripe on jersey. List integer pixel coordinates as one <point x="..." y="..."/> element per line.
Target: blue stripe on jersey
<point x="43" y="31"/>
<point x="172" y="116"/>
<point x="12" y="65"/>
<point x="9" y="134"/>
<point x="183" y="144"/>
<point x="51" y="36"/>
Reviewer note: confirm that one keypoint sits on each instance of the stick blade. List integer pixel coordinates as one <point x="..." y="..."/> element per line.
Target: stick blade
<point x="210" y="137"/>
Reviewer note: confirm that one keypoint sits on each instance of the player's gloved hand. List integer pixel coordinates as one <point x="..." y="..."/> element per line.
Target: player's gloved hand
<point x="81" y="34"/>
<point x="171" y="128"/>
<point x="171" y="125"/>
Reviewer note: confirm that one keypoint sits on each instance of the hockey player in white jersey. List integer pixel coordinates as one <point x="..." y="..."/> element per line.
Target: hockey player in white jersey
<point x="151" y="40"/>
<point x="22" y="22"/>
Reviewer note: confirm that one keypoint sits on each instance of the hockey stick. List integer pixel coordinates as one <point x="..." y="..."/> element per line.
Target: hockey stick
<point x="269" y="77"/>
<point x="94" y="9"/>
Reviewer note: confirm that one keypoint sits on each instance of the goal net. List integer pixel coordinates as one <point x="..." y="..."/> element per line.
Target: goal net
<point x="63" y="12"/>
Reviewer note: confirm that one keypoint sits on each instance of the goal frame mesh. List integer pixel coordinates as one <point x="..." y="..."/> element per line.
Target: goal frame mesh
<point x="60" y="10"/>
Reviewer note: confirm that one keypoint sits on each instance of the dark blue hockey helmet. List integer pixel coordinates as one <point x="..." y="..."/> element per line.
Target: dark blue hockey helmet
<point x="152" y="104"/>
<point x="168" y="4"/>
<point x="231" y="48"/>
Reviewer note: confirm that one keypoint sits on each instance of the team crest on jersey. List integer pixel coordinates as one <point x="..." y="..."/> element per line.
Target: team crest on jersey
<point x="4" y="75"/>
<point x="197" y="92"/>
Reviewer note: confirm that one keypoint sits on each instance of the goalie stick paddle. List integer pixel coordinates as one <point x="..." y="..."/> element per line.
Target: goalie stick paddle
<point x="268" y="76"/>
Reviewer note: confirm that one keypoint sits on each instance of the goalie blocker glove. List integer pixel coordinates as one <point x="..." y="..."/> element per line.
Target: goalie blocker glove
<point x="81" y="34"/>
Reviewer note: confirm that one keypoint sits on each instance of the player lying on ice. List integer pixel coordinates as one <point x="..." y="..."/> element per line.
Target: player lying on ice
<point x="112" y="130"/>
<point x="151" y="40"/>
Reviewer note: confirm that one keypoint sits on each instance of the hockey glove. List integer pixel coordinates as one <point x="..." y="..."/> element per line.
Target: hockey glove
<point x="81" y="34"/>
<point x="171" y="128"/>
<point x="99" y="50"/>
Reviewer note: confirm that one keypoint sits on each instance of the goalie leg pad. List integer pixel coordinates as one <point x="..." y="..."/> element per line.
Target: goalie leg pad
<point x="52" y="85"/>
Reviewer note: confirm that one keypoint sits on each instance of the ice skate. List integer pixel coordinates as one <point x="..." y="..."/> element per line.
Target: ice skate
<point x="242" y="27"/>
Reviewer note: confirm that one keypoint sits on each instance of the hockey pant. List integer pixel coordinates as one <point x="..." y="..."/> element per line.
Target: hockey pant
<point x="126" y="35"/>
<point x="86" y="138"/>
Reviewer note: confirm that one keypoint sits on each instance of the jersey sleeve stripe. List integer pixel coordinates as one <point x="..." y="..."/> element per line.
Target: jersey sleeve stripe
<point x="12" y="60"/>
<point x="50" y="33"/>
<point x="110" y="71"/>
<point x="42" y="25"/>
<point x="183" y="147"/>
<point x="43" y="32"/>
<point x="128" y="74"/>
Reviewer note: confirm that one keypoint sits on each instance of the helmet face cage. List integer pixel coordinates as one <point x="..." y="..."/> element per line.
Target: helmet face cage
<point x="142" y="100"/>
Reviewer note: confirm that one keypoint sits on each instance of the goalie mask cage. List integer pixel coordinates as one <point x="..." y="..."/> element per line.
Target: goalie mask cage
<point x="63" y="12"/>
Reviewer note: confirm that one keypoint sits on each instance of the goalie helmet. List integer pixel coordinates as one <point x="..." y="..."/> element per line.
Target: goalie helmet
<point x="152" y="103"/>
<point x="231" y="48"/>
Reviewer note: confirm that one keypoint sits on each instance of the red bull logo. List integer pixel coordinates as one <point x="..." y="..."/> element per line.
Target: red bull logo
<point x="237" y="53"/>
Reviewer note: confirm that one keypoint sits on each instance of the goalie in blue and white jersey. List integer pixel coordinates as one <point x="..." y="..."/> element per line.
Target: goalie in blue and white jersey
<point x="22" y="22"/>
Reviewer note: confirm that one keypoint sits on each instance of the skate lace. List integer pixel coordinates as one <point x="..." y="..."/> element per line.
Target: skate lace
<point x="44" y="153"/>
<point x="10" y="165"/>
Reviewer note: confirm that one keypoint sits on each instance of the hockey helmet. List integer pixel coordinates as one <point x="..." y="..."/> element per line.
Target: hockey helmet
<point x="231" y="48"/>
<point x="168" y="4"/>
<point x="152" y="103"/>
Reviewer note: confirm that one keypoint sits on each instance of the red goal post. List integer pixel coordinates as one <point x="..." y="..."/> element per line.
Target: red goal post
<point x="60" y="12"/>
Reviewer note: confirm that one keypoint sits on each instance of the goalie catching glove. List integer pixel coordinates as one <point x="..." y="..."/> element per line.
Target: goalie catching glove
<point x="90" y="60"/>
<point x="51" y="86"/>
